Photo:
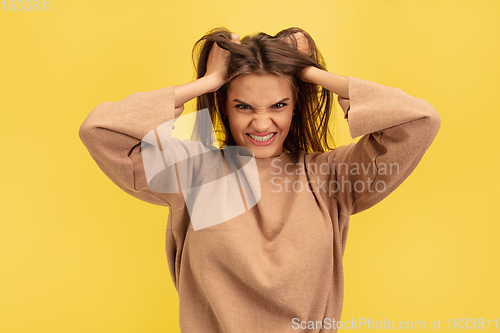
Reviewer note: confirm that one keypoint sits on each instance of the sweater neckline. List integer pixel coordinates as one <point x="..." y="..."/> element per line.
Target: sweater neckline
<point x="264" y="158"/>
<point x="268" y="158"/>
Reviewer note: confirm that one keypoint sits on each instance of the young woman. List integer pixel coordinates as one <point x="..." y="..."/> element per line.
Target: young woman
<point x="274" y="264"/>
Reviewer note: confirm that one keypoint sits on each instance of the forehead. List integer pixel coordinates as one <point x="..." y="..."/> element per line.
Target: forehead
<point x="259" y="90"/>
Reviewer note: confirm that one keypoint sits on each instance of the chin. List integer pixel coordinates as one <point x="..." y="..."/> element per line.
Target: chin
<point x="265" y="153"/>
<point x="271" y="150"/>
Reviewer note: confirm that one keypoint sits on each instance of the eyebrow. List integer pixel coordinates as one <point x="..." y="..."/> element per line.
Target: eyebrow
<point x="240" y="101"/>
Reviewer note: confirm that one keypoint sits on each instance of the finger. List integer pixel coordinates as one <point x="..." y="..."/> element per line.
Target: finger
<point x="235" y="38"/>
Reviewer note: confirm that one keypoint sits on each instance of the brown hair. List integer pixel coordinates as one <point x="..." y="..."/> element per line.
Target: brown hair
<point x="264" y="54"/>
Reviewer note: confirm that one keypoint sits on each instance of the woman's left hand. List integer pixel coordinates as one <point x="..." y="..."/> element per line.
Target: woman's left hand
<point x="302" y="43"/>
<point x="307" y="74"/>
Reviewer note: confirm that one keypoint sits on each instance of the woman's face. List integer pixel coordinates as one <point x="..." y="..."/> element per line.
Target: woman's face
<point x="259" y="110"/>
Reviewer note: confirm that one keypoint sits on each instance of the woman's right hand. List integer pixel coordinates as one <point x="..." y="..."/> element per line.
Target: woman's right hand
<point x="214" y="78"/>
<point x="217" y="62"/>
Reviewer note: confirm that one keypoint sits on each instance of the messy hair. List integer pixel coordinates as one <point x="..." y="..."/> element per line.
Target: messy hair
<point x="262" y="54"/>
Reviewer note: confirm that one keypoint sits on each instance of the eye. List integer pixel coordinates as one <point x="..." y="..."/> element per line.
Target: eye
<point x="279" y="105"/>
<point x="242" y="106"/>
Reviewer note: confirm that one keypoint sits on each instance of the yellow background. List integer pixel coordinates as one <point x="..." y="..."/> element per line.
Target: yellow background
<point x="79" y="255"/>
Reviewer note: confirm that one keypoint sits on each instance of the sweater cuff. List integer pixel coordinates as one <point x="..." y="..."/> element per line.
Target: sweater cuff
<point x="375" y="107"/>
<point x="162" y="101"/>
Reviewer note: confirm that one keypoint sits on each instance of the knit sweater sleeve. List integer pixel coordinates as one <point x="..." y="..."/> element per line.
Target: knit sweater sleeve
<point x="396" y="129"/>
<point x="119" y="135"/>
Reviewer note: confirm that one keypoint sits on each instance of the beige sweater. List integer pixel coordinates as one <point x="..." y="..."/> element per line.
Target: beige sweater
<point x="277" y="267"/>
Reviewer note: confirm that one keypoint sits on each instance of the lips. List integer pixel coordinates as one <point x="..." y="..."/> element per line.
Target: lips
<point x="262" y="140"/>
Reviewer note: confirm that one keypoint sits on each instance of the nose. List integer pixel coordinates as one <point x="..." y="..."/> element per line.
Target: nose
<point x="262" y="121"/>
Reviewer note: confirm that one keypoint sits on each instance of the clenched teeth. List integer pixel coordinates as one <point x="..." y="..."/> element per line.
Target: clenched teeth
<point x="261" y="138"/>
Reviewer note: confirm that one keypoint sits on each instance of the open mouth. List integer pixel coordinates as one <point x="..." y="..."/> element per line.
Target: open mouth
<point x="262" y="140"/>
